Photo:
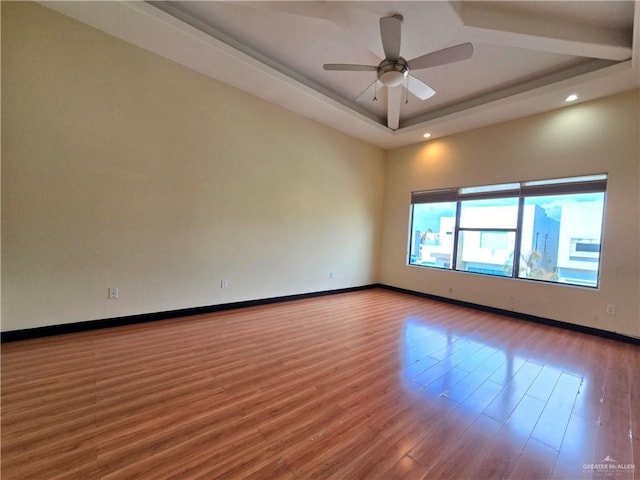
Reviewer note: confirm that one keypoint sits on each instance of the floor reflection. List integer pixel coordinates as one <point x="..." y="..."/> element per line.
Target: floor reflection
<point x="558" y="408"/>
<point x="526" y="394"/>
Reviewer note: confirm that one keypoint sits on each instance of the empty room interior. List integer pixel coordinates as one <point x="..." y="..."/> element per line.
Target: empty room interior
<point x="341" y="240"/>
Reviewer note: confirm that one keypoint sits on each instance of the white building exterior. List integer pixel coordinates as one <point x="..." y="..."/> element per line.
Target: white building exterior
<point x="567" y="251"/>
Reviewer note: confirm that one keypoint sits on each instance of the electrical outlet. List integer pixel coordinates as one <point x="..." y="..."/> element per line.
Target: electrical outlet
<point x="611" y="309"/>
<point x="331" y="275"/>
<point x="113" y="293"/>
<point x="224" y="283"/>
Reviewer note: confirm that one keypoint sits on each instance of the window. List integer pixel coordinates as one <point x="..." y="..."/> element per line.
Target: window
<point x="561" y="238"/>
<point x="546" y="230"/>
<point x="433" y="225"/>
<point x="487" y="235"/>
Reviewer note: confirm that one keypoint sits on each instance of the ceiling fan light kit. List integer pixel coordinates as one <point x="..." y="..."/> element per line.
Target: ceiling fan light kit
<point x="392" y="74"/>
<point x="393" y="71"/>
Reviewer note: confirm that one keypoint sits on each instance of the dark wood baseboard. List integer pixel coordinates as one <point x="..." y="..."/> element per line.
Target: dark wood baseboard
<point x="521" y="316"/>
<point x="367" y="385"/>
<point x="49" y="330"/>
<point x="16" y="335"/>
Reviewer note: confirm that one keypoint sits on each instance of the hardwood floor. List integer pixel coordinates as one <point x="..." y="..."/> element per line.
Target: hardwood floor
<point x="366" y="385"/>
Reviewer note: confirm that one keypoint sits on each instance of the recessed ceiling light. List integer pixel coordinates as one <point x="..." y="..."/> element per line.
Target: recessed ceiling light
<point x="426" y="135"/>
<point x="571" y="98"/>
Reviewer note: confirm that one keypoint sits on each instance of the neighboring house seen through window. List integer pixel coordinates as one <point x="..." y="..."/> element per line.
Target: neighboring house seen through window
<point x="548" y="230"/>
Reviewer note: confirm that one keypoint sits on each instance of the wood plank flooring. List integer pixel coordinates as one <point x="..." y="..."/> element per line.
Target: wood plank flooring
<point x="366" y="385"/>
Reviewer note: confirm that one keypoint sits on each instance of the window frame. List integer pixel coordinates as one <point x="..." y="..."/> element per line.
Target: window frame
<point x="594" y="183"/>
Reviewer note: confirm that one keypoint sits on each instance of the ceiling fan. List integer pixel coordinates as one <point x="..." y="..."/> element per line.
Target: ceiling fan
<point x="393" y="71"/>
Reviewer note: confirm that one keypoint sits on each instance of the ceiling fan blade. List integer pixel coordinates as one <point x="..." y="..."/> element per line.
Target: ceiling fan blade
<point x="390" y="31"/>
<point x="394" y="100"/>
<point x="442" y="57"/>
<point x="419" y="88"/>
<point x="369" y="93"/>
<point x="346" y="67"/>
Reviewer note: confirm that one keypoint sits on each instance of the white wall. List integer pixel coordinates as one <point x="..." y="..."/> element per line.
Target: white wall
<point x="595" y="137"/>
<point x="123" y="169"/>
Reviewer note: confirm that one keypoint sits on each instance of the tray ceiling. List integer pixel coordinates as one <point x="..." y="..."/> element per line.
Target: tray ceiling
<point x="528" y="55"/>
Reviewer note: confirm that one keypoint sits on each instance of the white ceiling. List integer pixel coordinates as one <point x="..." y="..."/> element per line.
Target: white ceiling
<point x="528" y="55"/>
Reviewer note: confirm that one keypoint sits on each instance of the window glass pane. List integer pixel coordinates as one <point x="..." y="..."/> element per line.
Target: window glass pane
<point x="432" y="234"/>
<point x="488" y="252"/>
<point x="494" y="240"/>
<point x="489" y="213"/>
<point x="561" y="237"/>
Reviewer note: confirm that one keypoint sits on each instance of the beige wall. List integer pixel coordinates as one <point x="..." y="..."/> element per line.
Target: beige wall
<point x="123" y="169"/>
<point x="595" y="137"/>
<point x="120" y="168"/>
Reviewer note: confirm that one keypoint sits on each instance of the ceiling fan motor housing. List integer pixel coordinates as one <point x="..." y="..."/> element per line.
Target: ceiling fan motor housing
<point x="392" y="74"/>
